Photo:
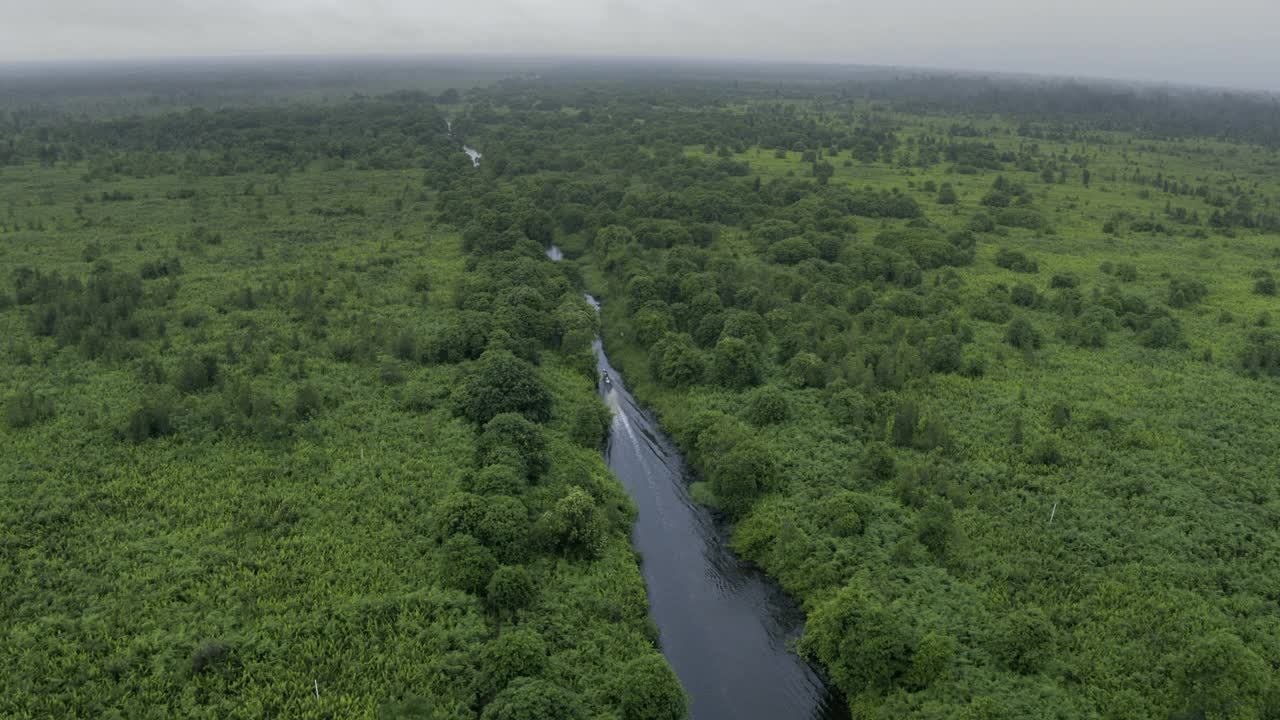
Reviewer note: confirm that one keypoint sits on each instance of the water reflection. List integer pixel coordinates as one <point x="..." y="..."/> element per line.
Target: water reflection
<point x="725" y="628"/>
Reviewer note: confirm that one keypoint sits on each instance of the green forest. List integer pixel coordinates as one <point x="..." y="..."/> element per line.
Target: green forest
<point x="299" y="420"/>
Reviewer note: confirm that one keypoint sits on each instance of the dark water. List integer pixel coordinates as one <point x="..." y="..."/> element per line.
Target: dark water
<point x="725" y="628"/>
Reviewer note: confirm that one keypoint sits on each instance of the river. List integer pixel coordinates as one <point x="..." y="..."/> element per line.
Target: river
<point x="725" y="627"/>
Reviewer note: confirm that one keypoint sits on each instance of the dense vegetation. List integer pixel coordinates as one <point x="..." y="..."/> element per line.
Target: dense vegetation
<point x="276" y="447"/>
<point x="296" y="406"/>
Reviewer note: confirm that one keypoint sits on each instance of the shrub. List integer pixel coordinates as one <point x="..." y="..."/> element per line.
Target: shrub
<point x="1016" y="261"/>
<point x="1022" y="334"/>
<point x="1023" y="640"/>
<point x="1184" y="292"/>
<point x="735" y="364"/>
<point x="676" y="362"/>
<point x="531" y="699"/>
<point x="767" y="406"/>
<point x="502" y="383"/>
<point x="466" y="565"/>
<point x="649" y="690"/>
<point x="25" y="408"/>
<point x="589" y="422"/>
<point x="511" y="439"/>
<point x="196" y="373"/>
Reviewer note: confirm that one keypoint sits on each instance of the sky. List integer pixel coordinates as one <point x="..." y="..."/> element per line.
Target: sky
<point x="1230" y="43"/>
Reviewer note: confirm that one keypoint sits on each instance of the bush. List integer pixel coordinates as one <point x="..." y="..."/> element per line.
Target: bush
<point x="740" y="475"/>
<point x="1260" y="355"/>
<point x="1023" y="640"/>
<point x="1264" y="284"/>
<point x="735" y="363"/>
<point x="844" y="513"/>
<point x="1164" y="332"/>
<point x="1184" y="292"/>
<point x="589" y="422"/>
<point x="806" y="370"/>
<point x="531" y="699"/>
<point x="878" y="462"/>
<point x="520" y="652"/>
<point x="1022" y="334"/>
<point x="196" y="373"/>
<point x="848" y="408"/>
<point x="1024" y="295"/>
<point x="511" y="589"/>
<point x="767" y="406"/>
<point x="865" y="646"/>
<point x="649" y="690"/>
<point x="466" y="565"/>
<point x="25" y="408"/>
<point x="502" y="383"/>
<point x="511" y="439"/>
<point x="494" y="480"/>
<point x="1016" y="261"/>
<point x="149" y="419"/>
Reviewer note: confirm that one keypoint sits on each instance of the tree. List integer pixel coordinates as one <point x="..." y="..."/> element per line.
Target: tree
<point x="947" y="195"/>
<point x="767" y="406"/>
<point x="735" y="364"/>
<point x="1164" y="332"/>
<point x="495" y="479"/>
<point x="740" y="475"/>
<point x="1221" y="679"/>
<point x="844" y="513"/>
<point x="676" y="362"/>
<point x="510" y="590"/>
<point x="516" y="653"/>
<point x="936" y="529"/>
<point x="465" y="564"/>
<point x="806" y="369"/>
<point x="1265" y="284"/>
<point x="575" y="526"/>
<point x="532" y="699"/>
<point x="865" y="646"/>
<point x="25" y="408"/>
<point x="1022" y="334"/>
<point x="1023" y="640"/>
<point x="458" y="513"/>
<point x="877" y="462"/>
<point x="905" y="419"/>
<point x="511" y="439"/>
<point x="502" y="383"/>
<point x="933" y="655"/>
<point x="504" y="529"/>
<point x="196" y="373"/>
<point x="589" y="422"/>
<point x="649" y="690"/>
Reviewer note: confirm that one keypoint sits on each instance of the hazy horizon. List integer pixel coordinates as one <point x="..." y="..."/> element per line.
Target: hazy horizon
<point x="1174" y="41"/>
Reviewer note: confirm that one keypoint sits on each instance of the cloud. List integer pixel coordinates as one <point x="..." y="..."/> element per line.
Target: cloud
<point x="1229" y="42"/>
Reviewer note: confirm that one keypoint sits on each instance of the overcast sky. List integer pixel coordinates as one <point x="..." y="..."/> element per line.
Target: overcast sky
<point x="1220" y="42"/>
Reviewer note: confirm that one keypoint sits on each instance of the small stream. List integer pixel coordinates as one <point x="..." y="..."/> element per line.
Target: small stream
<point x="471" y="152"/>
<point x="725" y="627"/>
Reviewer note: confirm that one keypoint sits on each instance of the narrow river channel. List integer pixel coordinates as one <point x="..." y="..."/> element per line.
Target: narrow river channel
<point x="725" y="628"/>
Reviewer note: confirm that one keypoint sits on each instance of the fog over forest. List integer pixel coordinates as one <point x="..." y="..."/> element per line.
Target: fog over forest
<point x="1230" y="43"/>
